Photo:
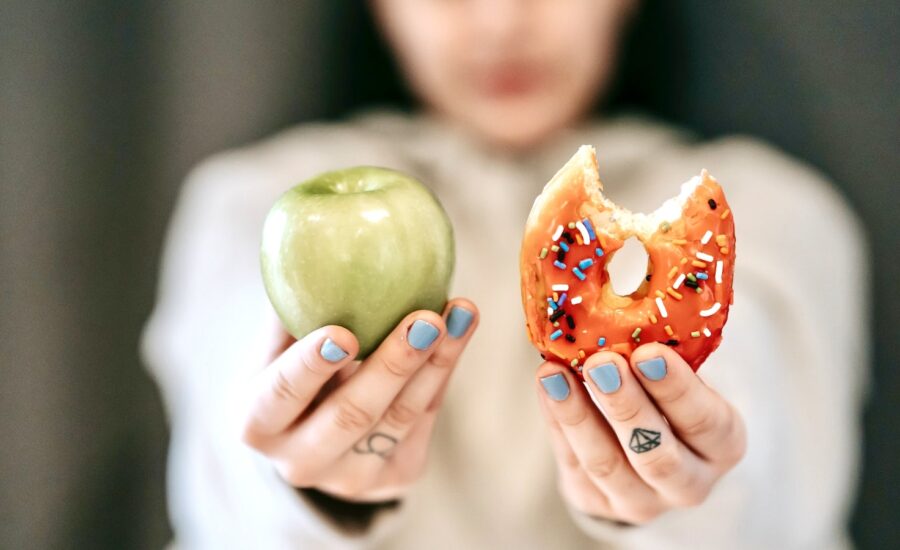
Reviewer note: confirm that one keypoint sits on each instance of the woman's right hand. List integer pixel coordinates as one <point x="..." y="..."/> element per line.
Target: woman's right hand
<point x="360" y="434"/>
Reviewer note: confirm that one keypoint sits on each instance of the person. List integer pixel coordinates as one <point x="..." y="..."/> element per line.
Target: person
<point x="279" y="443"/>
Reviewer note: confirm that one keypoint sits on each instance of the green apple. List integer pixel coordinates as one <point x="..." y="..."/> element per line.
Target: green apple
<point x="359" y="248"/>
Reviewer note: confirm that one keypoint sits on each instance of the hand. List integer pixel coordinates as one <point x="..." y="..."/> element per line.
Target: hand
<point x="357" y="431"/>
<point x="662" y="441"/>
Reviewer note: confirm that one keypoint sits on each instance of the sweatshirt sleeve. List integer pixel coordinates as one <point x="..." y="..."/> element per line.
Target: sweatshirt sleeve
<point x="794" y="361"/>
<point x="208" y="333"/>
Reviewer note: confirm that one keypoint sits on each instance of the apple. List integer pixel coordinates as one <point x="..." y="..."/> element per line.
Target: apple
<point x="359" y="248"/>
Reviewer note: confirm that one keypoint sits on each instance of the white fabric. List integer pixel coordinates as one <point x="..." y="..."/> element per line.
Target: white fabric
<point x="792" y="359"/>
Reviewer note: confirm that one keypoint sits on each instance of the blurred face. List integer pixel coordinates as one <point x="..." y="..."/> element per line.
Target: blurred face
<point x="513" y="72"/>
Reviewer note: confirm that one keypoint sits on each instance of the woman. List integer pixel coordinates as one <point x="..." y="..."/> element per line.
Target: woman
<point x="312" y="451"/>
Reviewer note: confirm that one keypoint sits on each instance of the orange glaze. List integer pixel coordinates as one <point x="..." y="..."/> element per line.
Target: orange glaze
<point x="572" y="196"/>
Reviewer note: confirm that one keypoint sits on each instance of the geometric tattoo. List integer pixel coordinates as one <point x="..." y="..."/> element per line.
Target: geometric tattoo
<point x="377" y="444"/>
<point x="643" y="440"/>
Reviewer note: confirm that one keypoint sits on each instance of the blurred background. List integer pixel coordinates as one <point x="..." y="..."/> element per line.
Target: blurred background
<point x="104" y="106"/>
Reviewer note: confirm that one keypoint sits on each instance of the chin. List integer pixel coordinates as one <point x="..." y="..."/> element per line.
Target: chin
<point x="518" y="133"/>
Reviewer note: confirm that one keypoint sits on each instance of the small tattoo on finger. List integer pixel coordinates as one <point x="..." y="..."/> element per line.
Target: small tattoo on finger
<point x="376" y="443"/>
<point x="643" y="440"/>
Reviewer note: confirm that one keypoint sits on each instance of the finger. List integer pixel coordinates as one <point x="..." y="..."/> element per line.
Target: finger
<point x="593" y="441"/>
<point x="658" y="457"/>
<point x="700" y="417"/>
<point x="352" y="410"/>
<point x="283" y="390"/>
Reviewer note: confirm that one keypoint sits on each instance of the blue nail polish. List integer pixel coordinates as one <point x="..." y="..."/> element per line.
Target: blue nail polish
<point x="422" y="334"/>
<point x="556" y="386"/>
<point x="606" y="377"/>
<point x="654" y="369"/>
<point x="458" y="321"/>
<point x="331" y="352"/>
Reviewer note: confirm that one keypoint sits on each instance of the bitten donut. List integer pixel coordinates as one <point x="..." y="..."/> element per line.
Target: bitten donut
<point x="572" y="232"/>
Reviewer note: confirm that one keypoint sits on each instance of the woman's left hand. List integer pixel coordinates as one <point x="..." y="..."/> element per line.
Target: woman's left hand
<point x="663" y="440"/>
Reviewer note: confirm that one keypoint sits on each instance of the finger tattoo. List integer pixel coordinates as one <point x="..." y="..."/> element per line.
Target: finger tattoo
<point x="377" y="443"/>
<point x="643" y="440"/>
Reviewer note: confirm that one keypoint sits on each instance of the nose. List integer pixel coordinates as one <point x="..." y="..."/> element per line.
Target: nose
<point x="500" y="22"/>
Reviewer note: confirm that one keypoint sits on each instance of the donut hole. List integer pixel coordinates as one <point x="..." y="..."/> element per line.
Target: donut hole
<point x="628" y="268"/>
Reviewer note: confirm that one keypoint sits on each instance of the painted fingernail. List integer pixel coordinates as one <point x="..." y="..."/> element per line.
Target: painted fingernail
<point x="422" y="334"/>
<point x="458" y="321"/>
<point x="331" y="352"/>
<point x="606" y="377"/>
<point x="556" y="386"/>
<point x="654" y="369"/>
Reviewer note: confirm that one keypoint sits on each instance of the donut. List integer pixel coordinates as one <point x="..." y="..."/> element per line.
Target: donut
<point x="572" y="233"/>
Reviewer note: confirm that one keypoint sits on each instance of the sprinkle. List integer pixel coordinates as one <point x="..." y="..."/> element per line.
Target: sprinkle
<point x="724" y="250"/>
<point x="698" y="289"/>
<point x="601" y="341"/>
<point x="562" y="299"/>
<point x="598" y="252"/>
<point x="725" y="213"/>
<point x="561" y="288"/>
<point x="712" y="309"/>
<point x="653" y="318"/>
<point x="581" y="353"/>
<point x="578" y="238"/>
<point x="678" y="281"/>
<point x="559" y="264"/>
<point x="585" y="263"/>
<point x="665" y="227"/>
<point x="706" y="332"/>
<point x="674" y="294"/>
<point x="557" y="234"/>
<point x="575" y="301"/>
<point x="721" y="240"/>
<point x="706" y="237"/>
<point x="636" y="334"/>
<point x="691" y="277"/>
<point x="549" y="311"/>
<point x="683" y="261"/>
<point x="556" y="334"/>
<point x="557" y="314"/>
<point x="568" y="237"/>
<point x="669" y="331"/>
<point x="571" y="225"/>
<point x="702" y="275"/>
<point x="543" y="253"/>
<point x="574" y="363"/>
<point x="695" y="334"/>
<point x="692" y="284"/>
<point x="672" y="342"/>
<point x="570" y="321"/>
<point x="570" y="338"/>
<point x="662" y="308"/>
<point x="561" y="255"/>
<point x="554" y="248"/>
<point x="552" y="303"/>
<point x="578" y="273"/>
<point x="556" y="324"/>
<point x="673" y="271"/>
<point x="704" y="257"/>
<point x="719" y="272"/>
<point x="659" y="294"/>
<point x="647" y="278"/>
<point x="679" y="241"/>
<point x="698" y="263"/>
<point x="584" y="232"/>
<point x="564" y="246"/>
<point x="712" y="203"/>
<point x="590" y="228"/>
<point x="555" y="297"/>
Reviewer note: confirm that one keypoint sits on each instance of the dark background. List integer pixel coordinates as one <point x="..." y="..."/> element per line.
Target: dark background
<point x="104" y="105"/>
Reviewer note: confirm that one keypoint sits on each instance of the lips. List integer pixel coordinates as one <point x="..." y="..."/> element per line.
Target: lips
<point x="510" y="79"/>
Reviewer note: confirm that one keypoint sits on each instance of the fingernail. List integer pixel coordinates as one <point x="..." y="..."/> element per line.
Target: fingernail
<point x="331" y="352"/>
<point x="556" y="386"/>
<point x="606" y="377"/>
<point x="654" y="369"/>
<point x="458" y="321"/>
<point x="422" y="334"/>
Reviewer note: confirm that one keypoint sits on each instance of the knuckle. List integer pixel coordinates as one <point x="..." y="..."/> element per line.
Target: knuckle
<point x="295" y="474"/>
<point x="693" y="495"/>
<point x="251" y="437"/>
<point x="674" y="394"/>
<point x="350" y="417"/>
<point x="398" y="365"/>
<point x="401" y="414"/>
<point x="665" y="465"/>
<point x="624" y="412"/>
<point x="602" y="467"/>
<point x="735" y="447"/>
<point x="705" y="424"/>
<point x="571" y="416"/>
<point x="283" y="388"/>
<point x="443" y="359"/>
<point x="641" y="515"/>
